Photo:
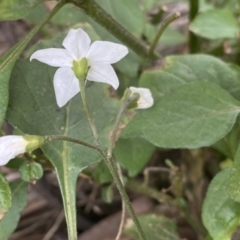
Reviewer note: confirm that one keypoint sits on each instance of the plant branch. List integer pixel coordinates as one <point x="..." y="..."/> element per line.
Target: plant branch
<point x="93" y="10"/>
<point x="163" y="26"/>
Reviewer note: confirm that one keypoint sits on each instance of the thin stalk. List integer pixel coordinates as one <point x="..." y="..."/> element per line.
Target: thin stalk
<point x="193" y="39"/>
<point x="113" y="169"/>
<point x="163" y="26"/>
<point x="122" y="191"/>
<point x="88" y="113"/>
<point x="93" y="10"/>
<point x="65" y="138"/>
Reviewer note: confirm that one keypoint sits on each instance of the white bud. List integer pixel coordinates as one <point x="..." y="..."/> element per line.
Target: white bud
<point x="145" y="100"/>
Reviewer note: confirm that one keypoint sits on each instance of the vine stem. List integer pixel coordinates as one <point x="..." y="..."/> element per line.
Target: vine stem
<point x="108" y="159"/>
<point x="163" y="26"/>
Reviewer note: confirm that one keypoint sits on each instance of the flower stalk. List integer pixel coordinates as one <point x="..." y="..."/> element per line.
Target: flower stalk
<point x="108" y="159"/>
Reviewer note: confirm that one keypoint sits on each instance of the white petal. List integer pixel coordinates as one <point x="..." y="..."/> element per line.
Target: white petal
<point x="146" y="99"/>
<point x="106" y="52"/>
<point x="10" y="147"/>
<point x="66" y="85"/>
<point x="77" y="43"/>
<point x="105" y="73"/>
<point x="55" y="57"/>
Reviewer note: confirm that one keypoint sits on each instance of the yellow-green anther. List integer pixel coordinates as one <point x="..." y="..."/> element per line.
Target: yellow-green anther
<point x="80" y="68"/>
<point x="34" y="142"/>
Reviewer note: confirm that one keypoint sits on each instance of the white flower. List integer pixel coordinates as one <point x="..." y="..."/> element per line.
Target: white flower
<point x="100" y="54"/>
<point x="145" y="100"/>
<point x="10" y="147"/>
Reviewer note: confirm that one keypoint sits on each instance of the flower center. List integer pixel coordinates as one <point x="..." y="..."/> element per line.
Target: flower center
<point x="80" y="68"/>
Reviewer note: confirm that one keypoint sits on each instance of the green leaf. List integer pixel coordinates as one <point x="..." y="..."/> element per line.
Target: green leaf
<point x="180" y="70"/>
<point x="8" y="60"/>
<point x="220" y="214"/>
<point x="33" y="110"/>
<point x="215" y="24"/>
<point x="5" y="196"/>
<point x="133" y="154"/>
<point x="16" y="9"/>
<point x="30" y="172"/>
<point x="195" y="115"/>
<point x="154" y="226"/>
<point x="19" y="201"/>
<point x="233" y="187"/>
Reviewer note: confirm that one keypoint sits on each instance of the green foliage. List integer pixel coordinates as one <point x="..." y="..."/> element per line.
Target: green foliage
<point x="155" y="227"/>
<point x="16" y="9"/>
<point x="220" y="214"/>
<point x="101" y="173"/>
<point x="133" y="154"/>
<point x="19" y="201"/>
<point x="30" y="172"/>
<point x="5" y="196"/>
<point x="215" y="24"/>
<point x="107" y="194"/>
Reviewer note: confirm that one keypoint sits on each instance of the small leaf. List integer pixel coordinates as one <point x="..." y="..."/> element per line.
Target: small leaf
<point x="215" y="24"/>
<point x="195" y="115"/>
<point x="5" y="196"/>
<point x="133" y="154"/>
<point x="154" y="226"/>
<point x="19" y="201"/>
<point x="16" y="9"/>
<point x="220" y="214"/>
<point x="31" y="171"/>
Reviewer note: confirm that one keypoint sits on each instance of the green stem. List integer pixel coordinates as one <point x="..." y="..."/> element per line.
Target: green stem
<point x="93" y="10"/>
<point x="122" y="191"/>
<point x="193" y="39"/>
<point x="108" y="158"/>
<point x="113" y="169"/>
<point x="164" y="25"/>
<point x="50" y="138"/>
<point x="89" y="115"/>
